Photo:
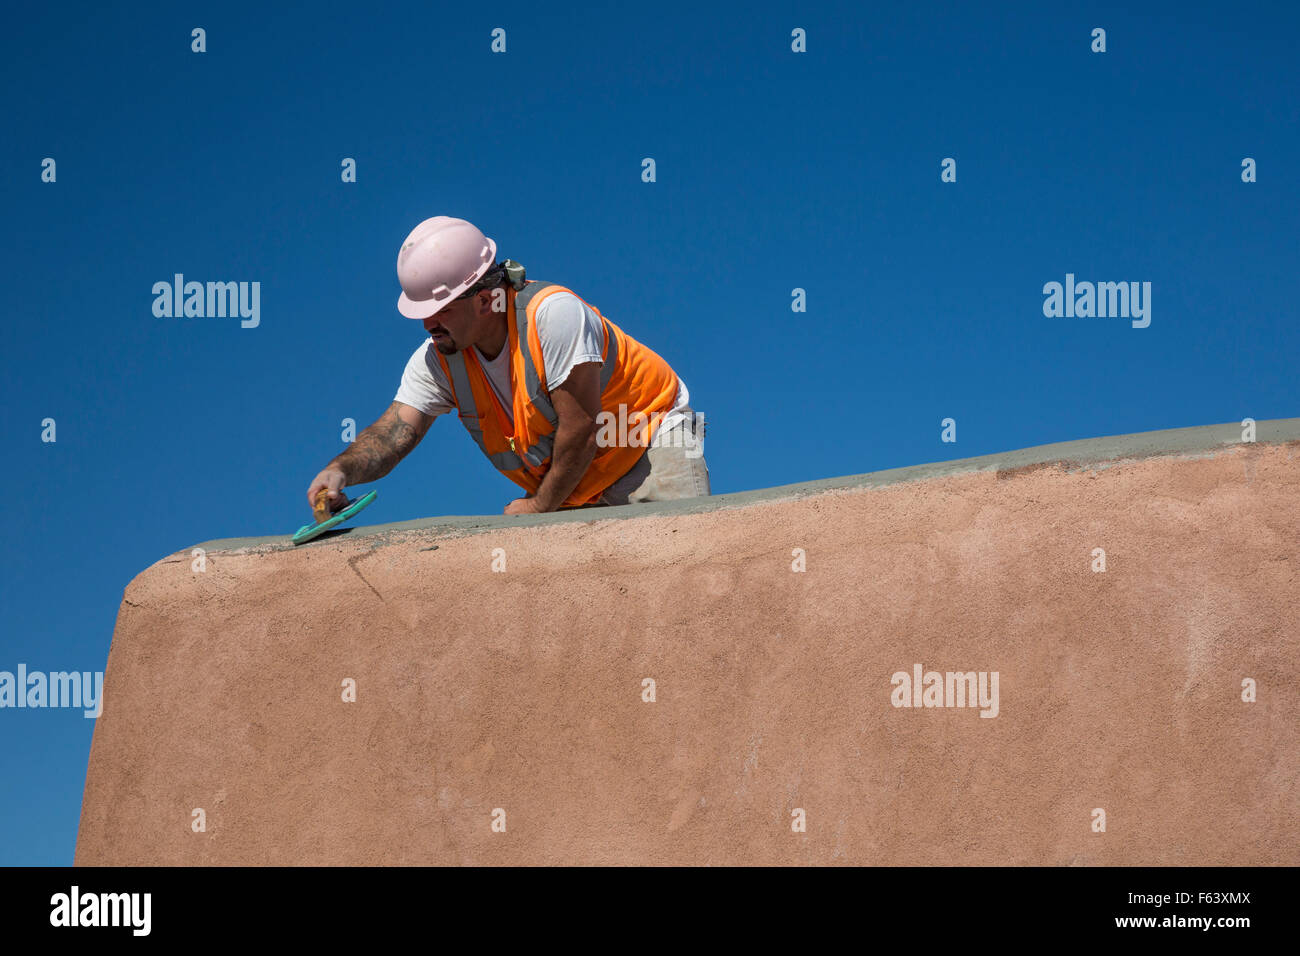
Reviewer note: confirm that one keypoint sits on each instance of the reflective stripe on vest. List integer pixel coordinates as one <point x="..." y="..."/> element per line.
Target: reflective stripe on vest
<point x="540" y="452"/>
<point x="504" y="461"/>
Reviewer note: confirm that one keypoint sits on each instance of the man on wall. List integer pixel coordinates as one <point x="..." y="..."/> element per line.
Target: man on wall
<point x="561" y="400"/>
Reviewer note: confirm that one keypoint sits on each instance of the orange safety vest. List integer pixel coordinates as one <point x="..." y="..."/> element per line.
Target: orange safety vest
<point x="633" y="379"/>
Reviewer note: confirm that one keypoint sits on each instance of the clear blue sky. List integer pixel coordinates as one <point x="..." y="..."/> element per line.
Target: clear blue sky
<point x="776" y="170"/>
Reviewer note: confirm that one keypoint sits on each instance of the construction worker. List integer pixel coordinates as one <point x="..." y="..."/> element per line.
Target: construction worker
<point x="562" y="401"/>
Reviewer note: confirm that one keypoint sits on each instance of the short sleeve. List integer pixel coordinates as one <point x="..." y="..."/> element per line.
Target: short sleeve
<point x="570" y="332"/>
<point x="424" y="385"/>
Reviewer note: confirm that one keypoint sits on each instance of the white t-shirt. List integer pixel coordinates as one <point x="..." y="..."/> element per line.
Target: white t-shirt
<point x="570" y="333"/>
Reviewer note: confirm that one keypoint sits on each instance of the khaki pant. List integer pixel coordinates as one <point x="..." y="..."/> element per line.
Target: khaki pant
<point x="665" y="472"/>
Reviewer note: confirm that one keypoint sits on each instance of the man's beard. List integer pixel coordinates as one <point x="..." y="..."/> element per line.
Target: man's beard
<point x="447" y="348"/>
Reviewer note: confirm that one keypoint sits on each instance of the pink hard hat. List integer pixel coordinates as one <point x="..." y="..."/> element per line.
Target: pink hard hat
<point x="440" y="259"/>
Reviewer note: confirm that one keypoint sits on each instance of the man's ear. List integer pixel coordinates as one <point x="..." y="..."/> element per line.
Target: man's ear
<point x="486" y="297"/>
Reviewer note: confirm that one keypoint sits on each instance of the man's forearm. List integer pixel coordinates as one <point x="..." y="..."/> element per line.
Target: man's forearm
<point x="574" y="450"/>
<point x="377" y="450"/>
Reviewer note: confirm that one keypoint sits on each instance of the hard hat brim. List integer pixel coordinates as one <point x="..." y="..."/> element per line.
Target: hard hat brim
<point x="413" y="309"/>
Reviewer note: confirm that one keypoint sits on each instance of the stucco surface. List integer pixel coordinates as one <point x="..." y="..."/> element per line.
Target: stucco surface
<point x="480" y="689"/>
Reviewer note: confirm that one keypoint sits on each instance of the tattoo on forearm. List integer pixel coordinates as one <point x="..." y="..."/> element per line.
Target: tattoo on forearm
<point x="378" y="449"/>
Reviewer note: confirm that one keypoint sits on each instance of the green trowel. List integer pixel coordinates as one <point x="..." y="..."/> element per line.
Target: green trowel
<point x="309" y="531"/>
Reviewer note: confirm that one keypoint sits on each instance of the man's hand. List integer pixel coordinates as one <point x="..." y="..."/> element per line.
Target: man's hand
<point x="334" y="481"/>
<point x="523" y="506"/>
